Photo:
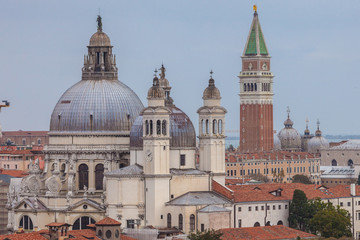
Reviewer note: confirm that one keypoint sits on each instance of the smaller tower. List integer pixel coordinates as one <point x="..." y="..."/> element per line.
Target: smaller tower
<point x="212" y="133"/>
<point x="156" y="136"/>
<point x="156" y="153"/>
<point x="305" y="139"/>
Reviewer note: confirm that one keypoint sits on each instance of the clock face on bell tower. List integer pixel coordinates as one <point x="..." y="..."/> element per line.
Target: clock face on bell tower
<point x="148" y="155"/>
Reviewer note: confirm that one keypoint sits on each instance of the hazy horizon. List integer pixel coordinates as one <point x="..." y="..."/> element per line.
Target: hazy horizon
<point x="314" y="59"/>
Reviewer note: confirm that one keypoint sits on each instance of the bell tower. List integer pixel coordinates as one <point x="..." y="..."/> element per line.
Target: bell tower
<point x="256" y="93"/>
<point x="156" y="150"/>
<point x="212" y="133"/>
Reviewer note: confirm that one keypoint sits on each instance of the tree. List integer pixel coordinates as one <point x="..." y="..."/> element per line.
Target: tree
<point x="207" y="235"/>
<point x="299" y="178"/>
<point x="299" y="211"/>
<point x="259" y="177"/>
<point x="332" y="222"/>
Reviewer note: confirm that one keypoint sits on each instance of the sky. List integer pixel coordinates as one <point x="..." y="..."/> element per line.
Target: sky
<point x="313" y="45"/>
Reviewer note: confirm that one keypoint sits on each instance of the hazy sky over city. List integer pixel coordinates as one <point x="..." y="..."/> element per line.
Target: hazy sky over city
<point x="313" y="44"/>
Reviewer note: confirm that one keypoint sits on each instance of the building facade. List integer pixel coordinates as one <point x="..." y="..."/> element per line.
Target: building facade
<point x="24" y="138"/>
<point x="256" y="93"/>
<point x="278" y="166"/>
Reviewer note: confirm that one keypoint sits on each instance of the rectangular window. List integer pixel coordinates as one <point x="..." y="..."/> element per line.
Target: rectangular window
<point x="182" y="159"/>
<point x="249" y="209"/>
<point x="234" y="172"/>
<point x="274" y="207"/>
<point x="262" y="208"/>
<point x="239" y="209"/>
<point x="239" y="223"/>
<point x="349" y="204"/>
<point x="256" y="208"/>
<point x="130" y="223"/>
<point x="286" y="206"/>
<point x="268" y="207"/>
<point x="341" y="204"/>
<point x="279" y="207"/>
<point x="202" y="227"/>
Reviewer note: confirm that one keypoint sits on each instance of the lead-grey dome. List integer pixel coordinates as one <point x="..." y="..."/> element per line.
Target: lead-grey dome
<point x="182" y="132"/>
<point x="289" y="137"/>
<point x="96" y="106"/>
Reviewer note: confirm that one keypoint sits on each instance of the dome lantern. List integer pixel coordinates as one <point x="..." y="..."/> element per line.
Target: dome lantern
<point x="211" y="95"/>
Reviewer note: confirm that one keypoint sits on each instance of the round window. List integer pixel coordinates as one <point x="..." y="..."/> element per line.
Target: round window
<point x="117" y="233"/>
<point x="108" y="234"/>
<point x="84" y="206"/>
<point x="100" y="233"/>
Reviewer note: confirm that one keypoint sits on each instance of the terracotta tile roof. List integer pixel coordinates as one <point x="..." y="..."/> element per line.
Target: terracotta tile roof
<point x="14" y="173"/>
<point x="236" y="181"/>
<point x="107" y="221"/>
<point x="264" y="233"/>
<point x="265" y="192"/>
<point x="273" y="156"/>
<point x="222" y="190"/>
<point x="56" y="224"/>
<point x="83" y="234"/>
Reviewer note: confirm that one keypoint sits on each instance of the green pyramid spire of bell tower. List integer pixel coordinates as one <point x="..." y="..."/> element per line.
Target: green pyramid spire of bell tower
<point x="255" y="44"/>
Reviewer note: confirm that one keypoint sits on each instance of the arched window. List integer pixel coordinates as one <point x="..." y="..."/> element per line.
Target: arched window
<point x="83" y="176"/>
<point x="181" y="222"/>
<point x="24" y="141"/>
<point x="244" y="87"/>
<point x="220" y="130"/>
<point x="151" y="127"/>
<point x="99" y="176"/>
<point x="267" y="223"/>
<point x="169" y="220"/>
<point x="207" y="126"/>
<point x="350" y="163"/>
<point x="158" y="127"/>
<point x="26" y="223"/>
<point x="214" y="126"/>
<point x="81" y="223"/>
<point x="333" y="162"/>
<point x="121" y="165"/>
<point x="280" y="223"/>
<point x="39" y="141"/>
<point x="192" y="222"/>
<point x="202" y="127"/>
<point x="62" y="170"/>
<point x="252" y="87"/>
<point x="146" y="127"/>
<point x="164" y="127"/>
<point x="255" y="87"/>
<point x="257" y="224"/>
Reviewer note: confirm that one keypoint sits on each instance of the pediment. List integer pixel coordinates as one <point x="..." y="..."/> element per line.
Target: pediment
<point x="86" y="205"/>
<point x="30" y="204"/>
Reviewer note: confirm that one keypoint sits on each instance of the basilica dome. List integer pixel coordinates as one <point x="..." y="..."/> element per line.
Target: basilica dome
<point x="277" y="143"/>
<point x="318" y="142"/>
<point x="290" y="138"/>
<point x="99" y="102"/>
<point x="182" y="131"/>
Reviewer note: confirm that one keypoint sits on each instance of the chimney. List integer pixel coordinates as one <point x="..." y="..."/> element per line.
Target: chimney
<point x="353" y="189"/>
<point x="58" y="231"/>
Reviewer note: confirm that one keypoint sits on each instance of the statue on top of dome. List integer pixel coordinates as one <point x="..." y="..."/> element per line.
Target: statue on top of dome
<point x="98" y="20"/>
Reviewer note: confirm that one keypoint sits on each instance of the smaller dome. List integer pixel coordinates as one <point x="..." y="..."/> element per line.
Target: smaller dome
<point x="156" y="92"/>
<point x="317" y="143"/>
<point x="288" y="123"/>
<point x="289" y="137"/>
<point x="277" y="143"/>
<point x="99" y="39"/>
<point x="211" y="92"/>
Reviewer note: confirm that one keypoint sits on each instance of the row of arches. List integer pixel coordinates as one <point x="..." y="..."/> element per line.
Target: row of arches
<point x="350" y="162"/>
<point x="217" y="126"/>
<point x="81" y="223"/>
<point x="160" y="127"/>
<point x="181" y="222"/>
<point x="252" y="87"/>
<point x="257" y="224"/>
<point x="84" y="176"/>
